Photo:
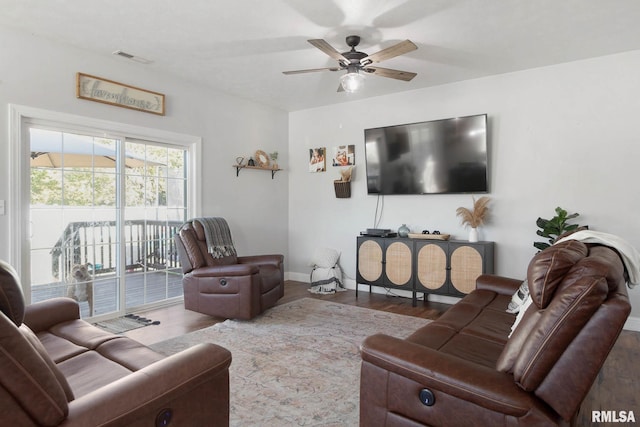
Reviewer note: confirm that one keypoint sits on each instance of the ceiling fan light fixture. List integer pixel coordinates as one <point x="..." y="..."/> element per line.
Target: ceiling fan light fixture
<point x="352" y="81"/>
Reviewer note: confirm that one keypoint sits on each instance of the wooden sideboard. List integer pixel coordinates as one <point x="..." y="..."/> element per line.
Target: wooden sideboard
<point x="444" y="267"/>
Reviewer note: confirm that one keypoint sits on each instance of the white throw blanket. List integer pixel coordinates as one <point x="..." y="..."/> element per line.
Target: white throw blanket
<point x="630" y="256"/>
<point x="326" y="280"/>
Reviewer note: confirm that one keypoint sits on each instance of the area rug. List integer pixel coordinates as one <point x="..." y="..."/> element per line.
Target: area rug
<point x="126" y="323"/>
<point x="298" y="363"/>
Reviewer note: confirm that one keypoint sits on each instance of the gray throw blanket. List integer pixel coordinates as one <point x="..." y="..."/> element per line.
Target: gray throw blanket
<point x="218" y="237"/>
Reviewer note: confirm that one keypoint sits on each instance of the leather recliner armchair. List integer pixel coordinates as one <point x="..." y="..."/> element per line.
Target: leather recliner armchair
<point x="225" y="285"/>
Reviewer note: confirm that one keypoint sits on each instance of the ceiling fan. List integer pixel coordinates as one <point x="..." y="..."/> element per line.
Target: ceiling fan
<point x="358" y="63"/>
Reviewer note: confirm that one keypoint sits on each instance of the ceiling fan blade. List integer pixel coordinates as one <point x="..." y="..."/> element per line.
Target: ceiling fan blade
<point x="311" y="70"/>
<point x="390" y="52"/>
<point x="392" y="74"/>
<point x="328" y="49"/>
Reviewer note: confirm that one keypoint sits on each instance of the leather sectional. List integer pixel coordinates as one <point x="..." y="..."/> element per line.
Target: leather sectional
<point x="57" y="369"/>
<point x="464" y="370"/>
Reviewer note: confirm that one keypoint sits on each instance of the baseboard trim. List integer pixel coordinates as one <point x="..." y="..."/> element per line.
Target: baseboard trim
<point x="298" y="277"/>
<point x="632" y="323"/>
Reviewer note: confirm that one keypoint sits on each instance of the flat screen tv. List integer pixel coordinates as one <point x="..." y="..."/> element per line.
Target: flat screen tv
<point x="434" y="157"/>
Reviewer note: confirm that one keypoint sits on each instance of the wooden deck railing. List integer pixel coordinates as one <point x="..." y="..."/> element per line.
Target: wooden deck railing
<point x="149" y="246"/>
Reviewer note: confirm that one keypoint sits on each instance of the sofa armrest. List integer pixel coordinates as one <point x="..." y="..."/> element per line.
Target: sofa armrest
<point x="275" y="260"/>
<point x="498" y="284"/>
<point x="453" y="376"/>
<point x="193" y="383"/>
<point x="225" y="270"/>
<point x="42" y="315"/>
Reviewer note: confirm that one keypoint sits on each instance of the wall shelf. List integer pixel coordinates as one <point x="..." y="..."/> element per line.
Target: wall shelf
<point x="273" y="171"/>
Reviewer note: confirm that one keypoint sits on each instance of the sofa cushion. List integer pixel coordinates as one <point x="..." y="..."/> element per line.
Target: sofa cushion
<point x="546" y="331"/>
<point x="190" y="242"/>
<point x="474" y="329"/>
<point x="129" y="353"/>
<point x="39" y="348"/>
<point x="27" y="378"/>
<point x="223" y="260"/>
<point x="548" y="268"/>
<point x="90" y="371"/>
<point x="11" y="298"/>
<point x="58" y="348"/>
<point x="546" y="272"/>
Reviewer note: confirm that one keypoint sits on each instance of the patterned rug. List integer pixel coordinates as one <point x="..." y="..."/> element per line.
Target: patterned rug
<point x="298" y="363"/>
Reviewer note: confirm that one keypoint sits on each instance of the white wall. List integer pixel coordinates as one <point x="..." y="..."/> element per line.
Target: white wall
<point x="564" y="135"/>
<point x="41" y="74"/>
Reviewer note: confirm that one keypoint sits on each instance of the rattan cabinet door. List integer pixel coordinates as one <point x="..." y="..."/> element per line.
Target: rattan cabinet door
<point x="466" y="266"/>
<point x="370" y="261"/>
<point x="398" y="264"/>
<point x="431" y="265"/>
<point x="467" y="262"/>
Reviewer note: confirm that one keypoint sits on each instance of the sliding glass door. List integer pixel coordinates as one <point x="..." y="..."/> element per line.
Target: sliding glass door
<point x="103" y="211"/>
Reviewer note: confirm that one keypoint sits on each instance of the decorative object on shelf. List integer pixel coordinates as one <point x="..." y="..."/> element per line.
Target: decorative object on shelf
<point x="317" y="160"/>
<point x="476" y="217"/>
<point x="429" y="236"/>
<point x="346" y="174"/>
<point x="403" y="231"/>
<point x="554" y="227"/>
<point x="274" y="157"/>
<point x="342" y="186"/>
<point x="109" y="92"/>
<point x="262" y="159"/>
<point x="344" y="155"/>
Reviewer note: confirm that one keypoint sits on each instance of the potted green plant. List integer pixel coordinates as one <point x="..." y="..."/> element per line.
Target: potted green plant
<point x="554" y="227"/>
<point x="274" y="157"/>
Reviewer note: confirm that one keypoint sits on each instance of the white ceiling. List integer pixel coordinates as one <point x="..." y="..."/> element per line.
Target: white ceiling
<point x="242" y="46"/>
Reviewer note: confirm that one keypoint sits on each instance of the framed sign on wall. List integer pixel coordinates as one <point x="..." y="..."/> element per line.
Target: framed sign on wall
<point x="122" y="95"/>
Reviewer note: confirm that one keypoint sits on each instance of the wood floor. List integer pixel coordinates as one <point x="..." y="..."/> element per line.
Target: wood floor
<point x="617" y="387"/>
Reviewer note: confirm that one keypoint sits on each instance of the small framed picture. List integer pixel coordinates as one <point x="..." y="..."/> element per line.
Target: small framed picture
<point x="344" y="155"/>
<point x="317" y="159"/>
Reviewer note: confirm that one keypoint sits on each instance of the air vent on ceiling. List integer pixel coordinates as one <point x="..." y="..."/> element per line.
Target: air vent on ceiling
<point x="132" y="57"/>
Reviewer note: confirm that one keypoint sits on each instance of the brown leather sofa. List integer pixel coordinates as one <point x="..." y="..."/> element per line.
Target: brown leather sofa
<point x="464" y="370"/>
<point x="58" y="370"/>
<point x="232" y="287"/>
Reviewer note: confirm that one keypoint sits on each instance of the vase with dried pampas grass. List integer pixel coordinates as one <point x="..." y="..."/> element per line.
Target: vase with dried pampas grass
<point x="476" y="217"/>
